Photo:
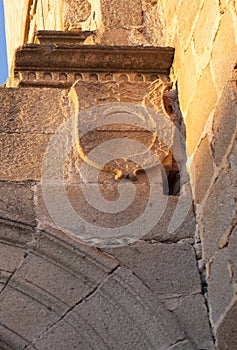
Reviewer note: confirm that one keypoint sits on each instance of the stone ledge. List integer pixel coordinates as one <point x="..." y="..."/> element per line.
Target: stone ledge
<point x="61" y="65"/>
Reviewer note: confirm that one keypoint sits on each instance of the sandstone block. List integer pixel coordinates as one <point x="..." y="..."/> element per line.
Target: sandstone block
<point x="224" y="123"/>
<point x="33" y="315"/>
<point x="198" y="114"/>
<point x="186" y="66"/>
<point x="121" y="313"/>
<point x="10" y="257"/>
<point x="221" y="202"/>
<point x="21" y="156"/>
<point x="187" y="13"/>
<point x="17" y="202"/>
<point x="220" y="288"/>
<point x="29" y="110"/>
<point x="226" y="334"/>
<point x="224" y="49"/>
<point x="192" y="316"/>
<point x="206" y="26"/>
<point x="114" y="13"/>
<point x="203" y="170"/>
<point x="233" y="163"/>
<point x="172" y="267"/>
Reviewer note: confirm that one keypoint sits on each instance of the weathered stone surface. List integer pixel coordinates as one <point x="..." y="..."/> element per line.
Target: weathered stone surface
<point x="205" y="28"/>
<point x="32" y="111"/>
<point x="33" y="316"/>
<point x="226" y="334"/>
<point x="121" y="313"/>
<point x="220" y="288"/>
<point x="224" y="130"/>
<point x="187" y="77"/>
<point x="161" y="260"/>
<point x="232" y="246"/>
<point x="75" y="12"/>
<point x="126" y="323"/>
<point x="192" y="316"/>
<point x="11" y="340"/>
<point x="153" y="17"/>
<point x="10" y="257"/>
<point x="21" y="156"/>
<point x="203" y="170"/>
<point x="115" y="13"/>
<point x="198" y="114"/>
<point x="16" y="202"/>
<point x="187" y="226"/>
<point x="191" y="10"/>
<point x="221" y="202"/>
<point x="11" y="233"/>
<point x="224" y="49"/>
<point x="74" y="58"/>
<point x="233" y="163"/>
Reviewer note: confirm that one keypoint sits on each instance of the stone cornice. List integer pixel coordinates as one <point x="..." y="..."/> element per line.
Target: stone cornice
<point x="61" y="65"/>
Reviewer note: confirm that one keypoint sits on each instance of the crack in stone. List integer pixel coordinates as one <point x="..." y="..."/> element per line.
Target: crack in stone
<point x="62" y="317"/>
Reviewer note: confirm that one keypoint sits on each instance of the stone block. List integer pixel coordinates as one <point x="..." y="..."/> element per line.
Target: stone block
<point x="187" y="13"/>
<point x="161" y="231"/>
<point x="17" y="202"/>
<point x="226" y="333"/>
<point x="21" y="156"/>
<point x="102" y="216"/>
<point x="33" y="316"/>
<point x="221" y="202"/>
<point x="186" y="68"/>
<point x="114" y="14"/>
<point x="224" y="123"/>
<point x="220" y="287"/>
<point x="49" y="278"/>
<point x="224" y="49"/>
<point x="10" y="257"/>
<point x="172" y="267"/>
<point x="198" y="113"/>
<point x="11" y="340"/>
<point x="233" y="163"/>
<point x="29" y="110"/>
<point x="203" y="170"/>
<point x="192" y="316"/>
<point x="121" y="313"/>
<point x="205" y="28"/>
<point x="15" y="233"/>
<point x="232" y="248"/>
<point x="74" y="13"/>
<point x="125" y="313"/>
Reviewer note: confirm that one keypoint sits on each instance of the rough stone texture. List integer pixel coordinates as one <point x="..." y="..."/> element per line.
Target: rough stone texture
<point x="28" y="119"/>
<point x="31" y="111"/>
<point x="221" y="290"/>
<point x="185" y="22"/>
<point x="221" y="202"/>
<point x="233" y="163"/>
<point x="203" y="34"/>
<point x="226" y="334"/>
<point x="163" y="275"/>
<point x="192" y="314"/>
<point x="223" y="131"/>
<point x="202" y="38"/>
<point x="199" y="113"/>
<point x="204" y="169"/>
<point x="225" y="42"/>
<point x="25" y="153"/>
<point x="75" y="12"/>
<point x="16" y="202"/>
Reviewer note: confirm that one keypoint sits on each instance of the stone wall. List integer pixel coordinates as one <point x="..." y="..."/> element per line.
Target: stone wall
<point x="204" y="35"/>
